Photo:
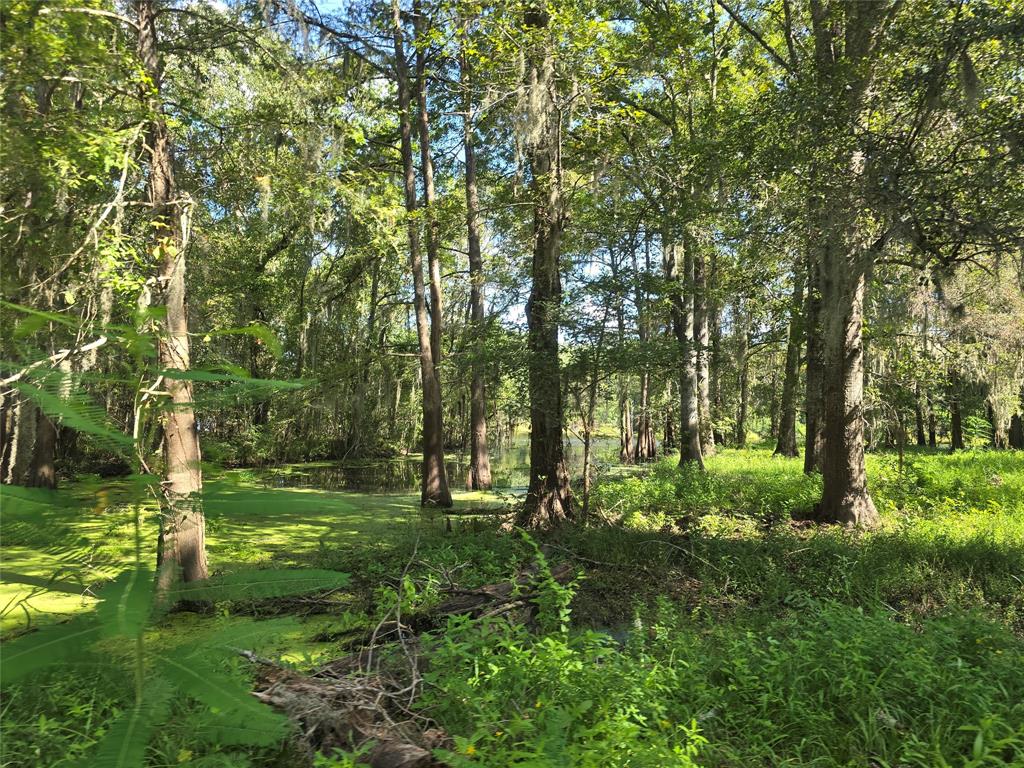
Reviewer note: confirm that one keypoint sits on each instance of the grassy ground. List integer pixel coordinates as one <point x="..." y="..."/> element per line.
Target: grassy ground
<point x="705" y="628"/>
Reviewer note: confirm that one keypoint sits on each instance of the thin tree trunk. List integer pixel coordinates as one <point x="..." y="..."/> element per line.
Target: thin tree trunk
<point x="703" y="344"/>
<point x="743" y="357"/>
<point x="434" y="488"/>
<point x="645" y="443"/>
<point x="429" y="194"/>
<point x="918" y="416"/>
<point x="625" y="412"/>
<point x="182" y="550"/>
<point x="786" y="443"/>
<point x="548" y="500"/>
<point x="956" y="430"/>
<point x="813" y="405"/>
<point x="479" y="477"/>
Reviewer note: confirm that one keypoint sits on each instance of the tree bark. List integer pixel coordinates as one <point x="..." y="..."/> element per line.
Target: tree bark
<point x="680" y="280"/>
<point x="42" y="473"/>
<point x="479" y="477"/>
<point x="21" y="440"/>
<point x="434" y="486"/>
<point x="813" y="404"/>
<point x="645" y="444"/>
<point x="743" y="357"/>
<point x="548" y="500"/>
<point x="918" y="417"/>
<point x="786" y="443"/>
<point x="956" y="426"/>
<point x="182" y="544"/>
<point x="845" y="498"/>
<point x="1016" y="436"/>
<point x="429" y="194"/>
<point x="626" y="454"/>
<point x="702" y="335"/>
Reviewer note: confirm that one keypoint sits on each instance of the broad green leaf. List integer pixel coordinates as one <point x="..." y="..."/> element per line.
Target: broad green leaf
<point x="77" y="414"/>
<point x="126" y="603"/>
<point x="47" y="647"/>
<point x="230" y="698"/>
<point x="254" y="585"/>
<point x="124" y="745"/>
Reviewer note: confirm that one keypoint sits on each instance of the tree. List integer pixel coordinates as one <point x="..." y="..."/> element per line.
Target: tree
<point x="434" y="488"/>
<point x="182" y="552"/>
<point x="549" y="500"/>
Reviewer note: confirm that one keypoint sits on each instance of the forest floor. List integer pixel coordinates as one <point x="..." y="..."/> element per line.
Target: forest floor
<point x="705" y="626"/>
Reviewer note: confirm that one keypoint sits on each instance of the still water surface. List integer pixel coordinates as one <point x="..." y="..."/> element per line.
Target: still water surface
<point x="510" y="470"/>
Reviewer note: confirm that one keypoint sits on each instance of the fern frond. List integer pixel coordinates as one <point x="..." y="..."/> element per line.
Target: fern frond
<point x="258" y="585"/>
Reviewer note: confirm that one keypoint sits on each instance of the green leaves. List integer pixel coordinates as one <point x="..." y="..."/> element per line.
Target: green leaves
<point x="124" y="745"/>
<point x="127" y="603"/>
<point x="229" y="700"/>
<point x="47" y="647"/>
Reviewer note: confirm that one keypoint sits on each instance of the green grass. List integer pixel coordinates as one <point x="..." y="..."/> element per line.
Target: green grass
<point x="707" y="630"/>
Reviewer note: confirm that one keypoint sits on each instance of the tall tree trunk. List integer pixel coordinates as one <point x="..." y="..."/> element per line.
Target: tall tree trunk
<point x="645" y="444"/>
<point x="918" y="416"/>
<point x="434" y="487"/>
<point x="743" y="357"/>
<point x="429" y="194"/>
<point x="715" y="368"/>
<point x="702" y="333"/>
<point x="549" y="499"/>
<point x="625" y="412"/>
<point x="681" y="286"/>
<point x="668" y="441"/>
<point x="786" y="443"/>
<point x="813" y="403"/>
<point x="182" y="550"/>
<point x="956" y="426"/>
<point x="479" y="477"/>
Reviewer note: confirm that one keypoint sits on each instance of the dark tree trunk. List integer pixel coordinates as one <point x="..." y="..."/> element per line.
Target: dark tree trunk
<point x="479" y="477"/>
<point x="480" y="462"/>
<point x="182" y="544"/>
<point x="1016" y="436"/>
<point x="42" y="473"/>
<point x="549" y="499"/>
<point x="786" y="443"/>
<point x="679" y="273"/>
<point x="918" y="417"/>
<point x="932" y="440"/>
<point x="956" y="427"/>
<point x="669" y="437"/>
<point x="434" y="487"/>
<point x="429" y="195"/>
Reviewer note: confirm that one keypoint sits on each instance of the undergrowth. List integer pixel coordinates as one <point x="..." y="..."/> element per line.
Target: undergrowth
<point x="706" y="629"/>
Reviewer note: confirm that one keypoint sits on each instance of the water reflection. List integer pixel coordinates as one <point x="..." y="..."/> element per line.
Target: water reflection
<point x="510" y="471"/>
